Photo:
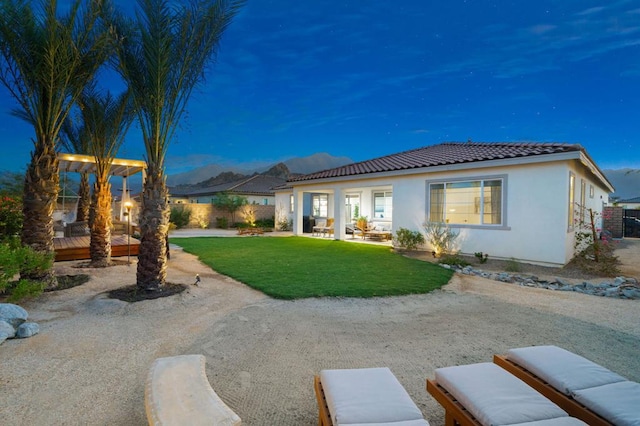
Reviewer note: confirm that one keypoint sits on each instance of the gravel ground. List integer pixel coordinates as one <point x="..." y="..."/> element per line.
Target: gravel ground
<point x="89" y="363"/>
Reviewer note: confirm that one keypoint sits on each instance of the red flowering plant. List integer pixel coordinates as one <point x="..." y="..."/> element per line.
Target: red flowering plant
<point x="10" y="216"/>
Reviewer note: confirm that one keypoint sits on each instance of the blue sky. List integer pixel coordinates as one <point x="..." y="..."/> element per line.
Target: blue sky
<point x="366" y="79"/>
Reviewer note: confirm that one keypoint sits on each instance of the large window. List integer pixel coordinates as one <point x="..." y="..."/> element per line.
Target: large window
<point x="474" y="202"/>
<point x="382" y="205"/>
<point x="320" y="203"/>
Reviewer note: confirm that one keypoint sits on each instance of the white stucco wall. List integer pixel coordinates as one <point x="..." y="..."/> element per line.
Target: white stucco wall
<point x="536" y="207"/>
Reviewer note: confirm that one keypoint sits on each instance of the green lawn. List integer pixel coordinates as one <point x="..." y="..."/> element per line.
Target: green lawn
<point x="298" y="267"/>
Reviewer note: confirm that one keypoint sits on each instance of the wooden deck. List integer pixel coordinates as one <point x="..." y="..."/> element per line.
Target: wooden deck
<point x="77" y="248"/>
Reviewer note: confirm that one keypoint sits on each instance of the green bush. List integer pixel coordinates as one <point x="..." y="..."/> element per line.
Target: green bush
<point x="15" y="259"/>
<point x="265" y="223"/>
<point x="408" y="239"/>
<point x="180" y="216"/>
<point x="453" y="260"/>
<point x="222" y="222"/>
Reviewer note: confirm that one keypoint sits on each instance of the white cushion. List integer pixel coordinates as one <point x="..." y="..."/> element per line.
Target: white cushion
<point x="367" y="396"/>
<point x="617" y="402"/>
<point x="494" y="396"/>
<point x="564" y="370"/>
<point x="560" y="421"/>
<point x="420" y="422"/>
<point x="321" y="223"/>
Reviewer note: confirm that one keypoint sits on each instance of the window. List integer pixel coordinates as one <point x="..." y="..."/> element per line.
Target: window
<point x="265" y="201"/>
<point x="477" y="202"/>
<point x="592" y="191"/>
<point x="291" y="204"/>
<point x="353" y="207"/>
<point x="572" y="199"/>
<point x="320" y="203"/>
<point x="382" y="205"/>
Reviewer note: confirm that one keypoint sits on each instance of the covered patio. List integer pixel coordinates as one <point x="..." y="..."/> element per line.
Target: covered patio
<point x="74" y="242"/>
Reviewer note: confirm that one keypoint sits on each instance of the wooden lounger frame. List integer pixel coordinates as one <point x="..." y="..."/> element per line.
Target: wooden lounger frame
<point x="324" y="418"/>
<point x="568" y="404"/>
<point x="454" y="412"/>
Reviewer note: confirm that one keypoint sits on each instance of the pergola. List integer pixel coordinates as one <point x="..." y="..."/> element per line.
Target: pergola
<point x="87" y="163"/>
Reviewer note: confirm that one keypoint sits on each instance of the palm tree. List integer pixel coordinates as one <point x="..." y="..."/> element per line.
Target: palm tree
<point x="162" y="57"/>
<point x="46" y="62"/>
<point x="105" y="120"/>
<point x="75" y="141"/>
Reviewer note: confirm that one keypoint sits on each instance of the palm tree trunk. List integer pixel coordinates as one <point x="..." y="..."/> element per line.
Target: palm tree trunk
<point x="41" y="186"/>
<point x="84" y="198"/>
<point x="100" y="225"/>
<point x="154" y="228"/>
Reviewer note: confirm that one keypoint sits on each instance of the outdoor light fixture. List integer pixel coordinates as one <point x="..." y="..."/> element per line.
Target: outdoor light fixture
<point x="128" y="206"/>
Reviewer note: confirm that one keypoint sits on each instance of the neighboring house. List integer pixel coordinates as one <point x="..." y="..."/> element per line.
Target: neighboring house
<point x="630" y="203"/>
<point x="510" y="200"/>
<point x="258" y="189"/>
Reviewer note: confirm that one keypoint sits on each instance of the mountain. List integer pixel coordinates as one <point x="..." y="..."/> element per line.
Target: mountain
<point x="625" y="181"/>
<point x="296" y="165"/>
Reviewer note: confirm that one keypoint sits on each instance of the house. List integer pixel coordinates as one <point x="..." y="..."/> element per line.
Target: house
<point x="510" y="200"/>
<point x="629" y="203"/>
<point x="258" y="189"/>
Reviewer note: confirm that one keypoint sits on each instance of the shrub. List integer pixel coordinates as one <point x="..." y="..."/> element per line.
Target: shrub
<point x="482" y="257"/>
<point x="222" y="222"/>
<point x="440" y="237"/>
<point x="265" y="223"/>
<point x="15" y="259"/>
<point x="180" y="216"/>
<point x="408" y="239"/>
<point x="453" y="260"/>
<point x="285" y="224"/>
<point x="202" y="220"/>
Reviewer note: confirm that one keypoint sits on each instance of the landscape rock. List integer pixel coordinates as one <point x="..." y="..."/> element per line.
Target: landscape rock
<point x="13" y="314"/>
<point x="7" y="329"/>
<point x="27" y="329"/>
<point x="619" y="287"/>
<point x="13" y="322"/>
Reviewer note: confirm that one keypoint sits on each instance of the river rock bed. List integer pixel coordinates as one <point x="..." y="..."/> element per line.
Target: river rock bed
<point x="619" y="287"/>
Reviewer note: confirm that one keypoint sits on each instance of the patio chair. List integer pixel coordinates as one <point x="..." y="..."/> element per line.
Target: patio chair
<point x="364" y="396"/>
<point x="579" y="386"/>
<point x="318" y="227"/>
<point x="485" y="394"/>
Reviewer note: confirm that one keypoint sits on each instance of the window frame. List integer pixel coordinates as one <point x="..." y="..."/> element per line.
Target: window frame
<point x="321" y="206"/>
<point x="387" y="213"/>
<point x="504" y="225"/>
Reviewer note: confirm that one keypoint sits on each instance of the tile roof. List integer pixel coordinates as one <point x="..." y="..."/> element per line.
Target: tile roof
<point x="254" y="185"/>
<point x="447" y="153"/>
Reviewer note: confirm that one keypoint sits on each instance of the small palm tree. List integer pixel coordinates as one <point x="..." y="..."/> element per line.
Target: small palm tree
<point x="46" y="61"/>
<point x="106" y="120"/>
<point x="75" y="141"/>
<point x="162" y="57"/>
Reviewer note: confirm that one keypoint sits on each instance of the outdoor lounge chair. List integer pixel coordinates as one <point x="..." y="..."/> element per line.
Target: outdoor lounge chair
<point x="364" y="396"/>
<point x="319" y="226"/>
<point x="579" y="386"/>
<point x="485" y="394"/>
<point x="323" y="227"/>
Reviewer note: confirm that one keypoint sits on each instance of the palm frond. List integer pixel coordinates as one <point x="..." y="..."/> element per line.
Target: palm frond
<point x="162" y="56"/>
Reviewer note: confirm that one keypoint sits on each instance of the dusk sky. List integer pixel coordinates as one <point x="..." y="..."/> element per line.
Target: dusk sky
<point x="364" y="79"/>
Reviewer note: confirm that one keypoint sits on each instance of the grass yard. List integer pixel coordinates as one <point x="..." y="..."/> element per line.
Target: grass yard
<point x="298" y="267"/>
